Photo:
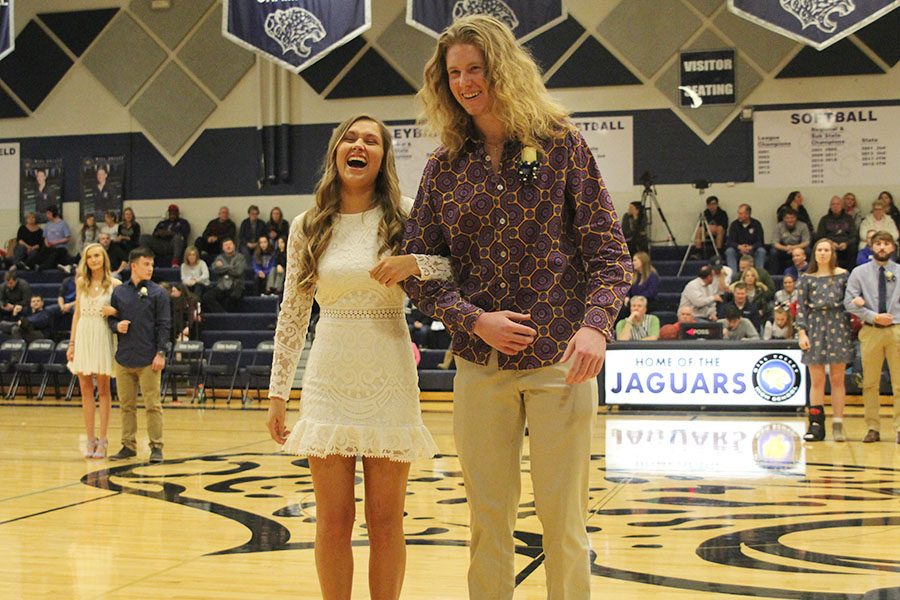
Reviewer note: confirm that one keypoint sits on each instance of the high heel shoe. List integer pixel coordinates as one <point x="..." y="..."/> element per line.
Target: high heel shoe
<point x="90" y="447"/>
<point x="100" y="449"/>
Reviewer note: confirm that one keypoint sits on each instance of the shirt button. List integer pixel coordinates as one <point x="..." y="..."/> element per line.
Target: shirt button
<point x="502" y="221"/>
<point x="503" y="253"/>
<point x="503" y="285"/>
<point x="500" y="186"/>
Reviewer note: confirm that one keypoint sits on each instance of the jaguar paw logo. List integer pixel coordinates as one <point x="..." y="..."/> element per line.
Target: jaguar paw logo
<point x="295" y="29"/>
<point x="495" y="8"/>
<point x="818" y="12"/>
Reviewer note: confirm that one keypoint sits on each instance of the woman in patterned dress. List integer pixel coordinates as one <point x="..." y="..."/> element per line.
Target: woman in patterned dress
<point x="91" y="343"/>
<point x="824" y="334"/>
<point x="360" y="388"/>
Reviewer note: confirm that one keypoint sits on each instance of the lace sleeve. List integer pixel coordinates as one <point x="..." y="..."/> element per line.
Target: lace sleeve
<point x="293" y="319"/>
<point x="433" y="267"/>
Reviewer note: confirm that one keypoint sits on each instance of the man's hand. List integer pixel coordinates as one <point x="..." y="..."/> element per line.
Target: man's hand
<point x="884" y="319"/>
<point x="391" y="270"/>
<point x="159" y="361"/>
<point x="587" y="348"/>
<point x="122" y="327"/>
<point x="501" y="331"/>
<point x="16" y="309"/>
<point x="275" y="420"/>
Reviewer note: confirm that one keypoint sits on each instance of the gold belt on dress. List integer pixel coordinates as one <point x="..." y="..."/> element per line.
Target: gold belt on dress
<point x="362" y="313"/>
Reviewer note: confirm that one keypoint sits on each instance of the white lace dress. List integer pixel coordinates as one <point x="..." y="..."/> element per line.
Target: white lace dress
<point x="95" y="344"/>
<point x="360" y="387"/>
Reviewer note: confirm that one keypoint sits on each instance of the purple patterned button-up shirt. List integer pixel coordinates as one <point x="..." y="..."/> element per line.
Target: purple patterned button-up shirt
<point x="552" y="248"/>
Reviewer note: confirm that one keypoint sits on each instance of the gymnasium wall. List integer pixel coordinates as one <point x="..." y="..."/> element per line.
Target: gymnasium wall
<point x="183" y="105"/>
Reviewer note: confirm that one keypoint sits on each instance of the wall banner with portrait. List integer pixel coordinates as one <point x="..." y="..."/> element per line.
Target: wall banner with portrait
<point x="41" y="187"/>
<point x="102" y="181"/>
<point x="7" y="33"/>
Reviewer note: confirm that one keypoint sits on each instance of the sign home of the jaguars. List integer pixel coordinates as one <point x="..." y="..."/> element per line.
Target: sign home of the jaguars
<point x="294" y="33"/>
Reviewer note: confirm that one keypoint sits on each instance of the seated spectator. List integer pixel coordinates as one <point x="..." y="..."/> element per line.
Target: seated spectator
<point x="762" y="275"/>
<point x="788" y="293"/>
<point x="110" y="225"/>
<point x="701" y="295"/>
<point x="638" y="326"/>
<point x="889" y="207"/>
<point x="757" y="291"/>
<point x="194" y="272"/>
<point x="169" y="236"/>
<point x="210" y="241"/>
<point x="672" y="331"/>
<point x="717" y="220"/>
<point x="89" y="234"/>
<point x="263" y="264"/>
<point x="749" y="309"/>
<point x="745" y="238"/>
<point x="29" y="240"/>
<point x="277" y="227"/>
<point x="790" y="233"/>
<point x="735" y="327"/>
<point x="646" y="279"/>
<point x="634" y="228"/>
<point x="781" y="327"/>
<point x="799" y="266"/>
<point x="129" y="236"/>
<point x="118" y="260"/>
<point x="795" y="201"/>
<point x="838" y="227"/>
<point x="34" y="323"/>
<point x="281" y="266"/>
<point x="877" y="220"/>
<point x="852" y="208"/>
<point x="865" y="255"/>
<point x="14" y="296"/>
<point x="52" y="252"/>
<point x="251" y="230"/>
<point x="185" y="311"/>
<point x="228" y="289"/>
<point x="65" y="297"/>
<point x="721" y="276"/>
<point x="418" y="324"/>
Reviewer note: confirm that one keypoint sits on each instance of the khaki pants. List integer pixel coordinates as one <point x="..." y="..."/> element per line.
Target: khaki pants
<point x="876" y="345"/>
<point x="127" y="381"/>
<point x="490" y="408"/>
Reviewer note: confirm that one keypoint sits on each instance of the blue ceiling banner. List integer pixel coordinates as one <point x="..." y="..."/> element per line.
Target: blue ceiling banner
<point x="816" y="23"/>
<point x="526" y="18"/>
<point x="294" y="33"/>
<point x="7" y="37"/>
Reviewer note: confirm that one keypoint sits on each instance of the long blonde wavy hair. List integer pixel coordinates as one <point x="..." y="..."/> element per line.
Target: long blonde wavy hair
<point x="83" y="272"/>
<point x="520" y="99"/>
<point x="318" y="223"/>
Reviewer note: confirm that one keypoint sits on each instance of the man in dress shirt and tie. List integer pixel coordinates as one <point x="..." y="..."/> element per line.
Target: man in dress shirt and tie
<point x="876" y="283"/>
<point x="515" y="199"/>
<point x="142" y="326"/>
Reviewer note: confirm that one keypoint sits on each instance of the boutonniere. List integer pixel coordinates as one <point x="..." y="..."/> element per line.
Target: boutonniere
<point x="528" y="164"/>
<point x="142" y="292"/>
<point x="889" y="275"/>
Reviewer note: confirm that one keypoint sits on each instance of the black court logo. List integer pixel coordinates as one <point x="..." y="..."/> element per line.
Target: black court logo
<point x="776" y="377"/>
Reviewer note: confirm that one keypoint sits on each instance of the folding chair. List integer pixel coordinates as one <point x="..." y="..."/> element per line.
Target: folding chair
<point x="186" y="361"/>
<point x="224" y="360"/>
<point x="58" y="368"/>
<point x="260" y="369"/>
<point x="11" y="353"/>
<point x="38" y="354"/>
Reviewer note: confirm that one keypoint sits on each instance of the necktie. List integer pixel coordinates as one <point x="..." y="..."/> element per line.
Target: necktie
<point x="882" y="291"/>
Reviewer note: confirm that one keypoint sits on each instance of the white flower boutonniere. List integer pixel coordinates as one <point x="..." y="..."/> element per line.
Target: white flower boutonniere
<point x="889" y="275"/>
<point x="142" y="292"/>
<point x="528" y="164"/>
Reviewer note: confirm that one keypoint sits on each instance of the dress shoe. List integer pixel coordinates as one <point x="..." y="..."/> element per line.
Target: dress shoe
<point x="156" y="455"/>
<point x="872" y="436"/>
<point x="124" y="454"/>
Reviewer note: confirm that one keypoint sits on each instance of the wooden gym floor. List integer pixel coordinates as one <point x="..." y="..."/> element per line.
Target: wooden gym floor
<point x="682" y="506"/>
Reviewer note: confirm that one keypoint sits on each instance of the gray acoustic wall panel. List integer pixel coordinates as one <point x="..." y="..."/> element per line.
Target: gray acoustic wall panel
<point x="172" y="108"/>
<point x="409" y="48"/>
<point x="707" y="7"/>
<point x="708" y="118"/>
<point x="171" y="24"/>
<point x="124" y="58"/>
<point x="765" y="47"/>
<point x="646" y="35"/>
<point x="215" y="61"/>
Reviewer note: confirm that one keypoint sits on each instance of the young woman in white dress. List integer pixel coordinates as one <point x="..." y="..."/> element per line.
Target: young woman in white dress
<point x="360" y="388"/>
<point x="91" y="343"/>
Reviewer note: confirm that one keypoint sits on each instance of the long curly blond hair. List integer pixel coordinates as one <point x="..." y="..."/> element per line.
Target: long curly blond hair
<point x="318" y="223"/>
<point x="520" y="99"/>
<point x="83" y="271"/>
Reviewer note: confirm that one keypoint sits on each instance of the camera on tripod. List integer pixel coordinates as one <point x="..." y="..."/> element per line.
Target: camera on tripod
<point x="646" y="179"/>
<point x="701" y="184"/>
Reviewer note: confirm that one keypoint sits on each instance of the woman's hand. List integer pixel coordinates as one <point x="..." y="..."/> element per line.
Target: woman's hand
<point x="391" y="270"/>
<point x="70" y="353"/>
<point x="109" y="311"/>
<point x="275" y="420"/>
<point x="261" y="274"/>
<point x="804" y="341"/>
